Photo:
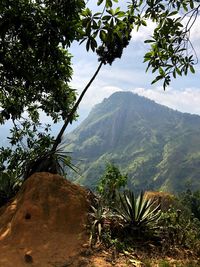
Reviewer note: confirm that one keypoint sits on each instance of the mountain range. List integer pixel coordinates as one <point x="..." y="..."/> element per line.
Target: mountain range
<point x="159" y="148"/>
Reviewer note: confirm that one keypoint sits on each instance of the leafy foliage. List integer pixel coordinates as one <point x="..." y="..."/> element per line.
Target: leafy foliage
<point x="120" y="225"/>
<point x="191" y="201"/>
<point x="35" y="37"/>
<point x="35" y="74"/>
<point x="29" y="140"/>
<point x="110" y="183"/>
<point x="171" y="52"/>
<point x="178" y="228"/>
<point x="35" y="64"/>
<point x="9" y="186"/>
<point x="31" y="152"/>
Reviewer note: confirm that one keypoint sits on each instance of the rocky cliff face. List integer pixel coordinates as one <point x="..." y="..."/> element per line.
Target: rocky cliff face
<point x="158" y="147"/>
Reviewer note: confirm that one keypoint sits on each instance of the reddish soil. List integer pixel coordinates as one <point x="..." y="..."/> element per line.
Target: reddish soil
<point x="44" y="225"/>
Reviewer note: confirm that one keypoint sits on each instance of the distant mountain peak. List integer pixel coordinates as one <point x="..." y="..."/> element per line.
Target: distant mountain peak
<point x="158" y="147"/>
<point x="126" y="96"/>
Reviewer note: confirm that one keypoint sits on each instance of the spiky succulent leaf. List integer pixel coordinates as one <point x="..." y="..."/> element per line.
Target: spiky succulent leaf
<point x="137" y="212"/>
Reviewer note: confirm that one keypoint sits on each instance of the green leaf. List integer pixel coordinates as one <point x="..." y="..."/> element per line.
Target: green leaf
<point x="93" y="44"/>
<point x="88" y="45"/>
<point x="149" y="41"/>
<point x="192" y="69"/>
<point x="192" y="4"/>
<point x="161" y="71"/>
<point x="157" y="79"/>
<point x="107" y="17"/>
<point x="99" y="2"/>
<point x="108" y="3"/>
<point x="173" y="13"/>
<point x="103" y="36"/>
<point x="178" y="71"/>
<point x="143" y="22"/>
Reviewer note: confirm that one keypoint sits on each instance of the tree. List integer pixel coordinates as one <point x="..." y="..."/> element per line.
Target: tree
<point x="35" y="71"/>
<point x="35" y="64"/>
<point x="110" y="183"/>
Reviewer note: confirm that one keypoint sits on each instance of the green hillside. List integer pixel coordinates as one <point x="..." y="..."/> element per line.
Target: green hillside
<point x="158" y="147"/>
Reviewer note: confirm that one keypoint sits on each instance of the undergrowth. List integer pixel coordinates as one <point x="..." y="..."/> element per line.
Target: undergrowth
<point x="137" y="225"/>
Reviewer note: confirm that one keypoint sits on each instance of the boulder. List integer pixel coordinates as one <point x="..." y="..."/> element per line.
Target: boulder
<point x="44" y="225"/>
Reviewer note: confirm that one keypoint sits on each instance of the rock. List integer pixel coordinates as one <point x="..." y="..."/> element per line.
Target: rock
<point x="47" y="217"/>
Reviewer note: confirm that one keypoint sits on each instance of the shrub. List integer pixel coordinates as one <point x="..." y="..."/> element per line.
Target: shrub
<point x="177" y="229"/>
<point x="138" y="214"/>
<point x="110" y="183"/>
<point x="191" y="201"/>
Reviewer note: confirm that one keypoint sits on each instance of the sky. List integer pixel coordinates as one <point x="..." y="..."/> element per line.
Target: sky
<point x="129" y="74"/>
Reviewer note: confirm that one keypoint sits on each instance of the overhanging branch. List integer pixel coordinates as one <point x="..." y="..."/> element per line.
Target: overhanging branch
<point x="74" y="109"/>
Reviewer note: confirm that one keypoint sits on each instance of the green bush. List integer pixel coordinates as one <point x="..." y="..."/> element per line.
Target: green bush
<point x="178" y="229"/>
<point x="191" y="202"/>
<point x="110" y="183"/>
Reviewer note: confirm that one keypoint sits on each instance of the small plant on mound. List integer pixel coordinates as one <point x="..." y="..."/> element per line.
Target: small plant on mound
<point x="98" y="216"/>
<point x="9" y="186"/>
<point x="138" y="214"/>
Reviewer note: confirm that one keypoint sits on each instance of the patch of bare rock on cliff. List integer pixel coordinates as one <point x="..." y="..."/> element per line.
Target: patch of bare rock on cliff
<point x="44" y="225"/>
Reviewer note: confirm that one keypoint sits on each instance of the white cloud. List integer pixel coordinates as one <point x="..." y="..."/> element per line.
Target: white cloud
<point x="126" y="72"/>
<point x="103" y="86"/>
<point x="195" y="31"/>
<point x="96" y="95"/>
<point x="118" y="78"/>
<point x="186" y="100"/>
<point x="144" y="32"/>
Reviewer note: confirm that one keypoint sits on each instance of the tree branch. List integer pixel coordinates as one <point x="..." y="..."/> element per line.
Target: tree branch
<point x="74" y="109"/>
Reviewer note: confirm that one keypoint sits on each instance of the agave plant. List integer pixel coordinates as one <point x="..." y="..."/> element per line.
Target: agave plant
<point x="137" y="213"/>
<point x="51" y="161"/>
<point x="98" y="216"/>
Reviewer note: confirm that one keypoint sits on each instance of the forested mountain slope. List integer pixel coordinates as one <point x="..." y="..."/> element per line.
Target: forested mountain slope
<point x="158" y="147"/>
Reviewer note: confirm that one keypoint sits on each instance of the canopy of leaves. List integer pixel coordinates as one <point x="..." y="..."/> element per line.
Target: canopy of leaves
<point x="110" y="183"/>
<point x="35" y="66"/>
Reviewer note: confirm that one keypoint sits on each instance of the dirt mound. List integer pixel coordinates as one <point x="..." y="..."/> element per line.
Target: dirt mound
<point x="44" y="225"/>
<point x="164" y="199"/>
